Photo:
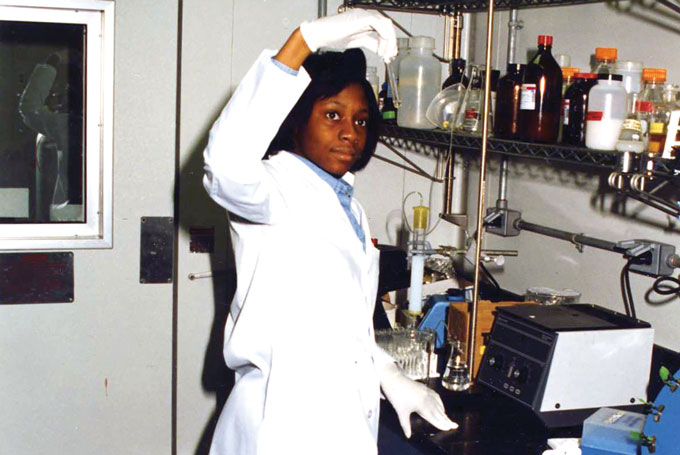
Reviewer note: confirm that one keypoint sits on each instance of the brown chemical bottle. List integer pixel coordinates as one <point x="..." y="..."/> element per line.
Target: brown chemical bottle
<point x="539" y="119"/>
<point x="506" y="123"/>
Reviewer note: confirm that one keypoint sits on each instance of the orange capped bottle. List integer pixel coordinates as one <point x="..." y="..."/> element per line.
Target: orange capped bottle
<point x="541" y="95"/>
<point x="605" y="60"/>
<point x="651" y="100"/>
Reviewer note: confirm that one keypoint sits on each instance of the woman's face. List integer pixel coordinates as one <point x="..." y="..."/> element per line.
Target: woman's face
<point x="335" y="134"/>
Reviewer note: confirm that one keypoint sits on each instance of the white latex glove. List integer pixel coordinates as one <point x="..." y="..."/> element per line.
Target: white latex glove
<point x="354" y="28"/>
<point x="408" y="396"/>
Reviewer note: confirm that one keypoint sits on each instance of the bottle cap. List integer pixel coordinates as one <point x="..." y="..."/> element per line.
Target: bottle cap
<point x="609" y="77"/>
<point x="628" y="66"/>
<point x="654" y="74"/>
<point x="421" y="42"/>
<point x="402" y="43"/>
<point x="545" y="40"/>
<point x="586" y="75"/>
<point x="569" y="71"/>
<point x="605" y="53"/>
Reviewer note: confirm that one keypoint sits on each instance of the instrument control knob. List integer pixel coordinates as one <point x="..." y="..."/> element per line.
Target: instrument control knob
<point x="496" y="361"/>
<point x="520" y="374"/>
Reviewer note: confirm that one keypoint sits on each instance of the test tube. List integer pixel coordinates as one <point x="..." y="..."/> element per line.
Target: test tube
<point x="393" y="84"/>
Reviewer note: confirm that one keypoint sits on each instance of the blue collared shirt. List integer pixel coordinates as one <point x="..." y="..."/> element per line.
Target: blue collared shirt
<point x="344" y="191"/>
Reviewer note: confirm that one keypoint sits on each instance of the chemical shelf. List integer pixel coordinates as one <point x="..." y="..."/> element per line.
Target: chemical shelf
<point x="464" y="6"/>
<point x="409" y="138"/>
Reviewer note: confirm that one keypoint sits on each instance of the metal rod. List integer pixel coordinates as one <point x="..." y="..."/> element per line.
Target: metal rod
<point x="406" y="168"/>
<point x="577" y="239"/>
<point x="502" y="202"/>
<point x="323" y="8"/>
<point x="514" y="25"/>
<point x="458" y="35"/>
<point x="409" y="34"/>
<point x="403" y="157"/>
<point x="447" y="198"/>
<point x="482" y="190"/>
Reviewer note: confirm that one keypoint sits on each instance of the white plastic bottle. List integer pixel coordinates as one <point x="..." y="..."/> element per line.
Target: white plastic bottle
<point x="606" y="112"/>
<point x="419" y="81"/>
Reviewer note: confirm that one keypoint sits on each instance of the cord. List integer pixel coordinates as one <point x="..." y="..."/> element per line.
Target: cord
<point x="666" y="289"/>
<point x="626" y="291"/>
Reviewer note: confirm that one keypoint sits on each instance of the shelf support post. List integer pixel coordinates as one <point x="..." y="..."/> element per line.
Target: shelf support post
<point x="471" y="348"/>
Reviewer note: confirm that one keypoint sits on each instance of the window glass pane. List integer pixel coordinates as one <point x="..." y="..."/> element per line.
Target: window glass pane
<point x="42" y="118"/>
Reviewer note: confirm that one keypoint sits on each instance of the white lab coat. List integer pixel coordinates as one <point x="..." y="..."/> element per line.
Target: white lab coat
<point x="299" y="333"/>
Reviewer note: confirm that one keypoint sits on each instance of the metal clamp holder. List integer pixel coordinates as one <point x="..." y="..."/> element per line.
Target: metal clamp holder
<point x="501" y="221"/>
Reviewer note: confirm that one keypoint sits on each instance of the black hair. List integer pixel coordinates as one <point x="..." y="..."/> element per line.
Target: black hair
<point x="331" y="73"/>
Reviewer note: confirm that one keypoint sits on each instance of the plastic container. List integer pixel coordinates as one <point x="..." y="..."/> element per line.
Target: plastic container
<point x="605" y="60"/>
<point x="606" y="112"/>
<point x="402" y="51"/>
<point x="632" y="75"/>
<point x="608" y="431"/>
<point x="563" y="60"/>
<point x="419" y="82"/>
<point x="575" y="107"/>
<point x="372" y="78"/>
<point x="506" y="121"/>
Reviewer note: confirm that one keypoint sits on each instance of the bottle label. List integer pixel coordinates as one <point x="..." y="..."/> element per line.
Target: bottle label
<point x="565" y="112"/>
<point x="656" y="128"/>
<point x="633" y="125"/>
<point x="470" y="113"/>
<point x="644" y="106"/>
<point x="594" y="116"/>
<point x="389" y="115"/>
<point x="527" y="101"/>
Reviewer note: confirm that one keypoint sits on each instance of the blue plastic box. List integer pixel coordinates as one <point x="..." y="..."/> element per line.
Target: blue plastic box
<point x="607" y="432"/>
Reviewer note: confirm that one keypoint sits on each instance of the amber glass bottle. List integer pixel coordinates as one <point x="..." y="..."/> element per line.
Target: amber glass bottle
<point x="506" y="123"/>
<point x="541" y="96"/>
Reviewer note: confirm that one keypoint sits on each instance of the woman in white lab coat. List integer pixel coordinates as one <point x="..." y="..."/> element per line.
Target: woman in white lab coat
<point x="299" y="334"/>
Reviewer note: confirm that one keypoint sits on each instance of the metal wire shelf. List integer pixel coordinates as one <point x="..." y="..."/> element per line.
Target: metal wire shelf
<point x="448" y="6"/>
<point x="414" y="139"/>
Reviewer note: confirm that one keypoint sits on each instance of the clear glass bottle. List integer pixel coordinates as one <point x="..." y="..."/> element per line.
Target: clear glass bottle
<point x="575" y="108"/>
<point x="506" y="124"/>
<point x="651" y="100"/>
<point x="419" y="82"/>
<point x="475" y="105"/>
<point x="606" y="112"/>
<point x="541" y="95"/>
<point x="605" y="60"/>
<point x="631" y="139"/>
